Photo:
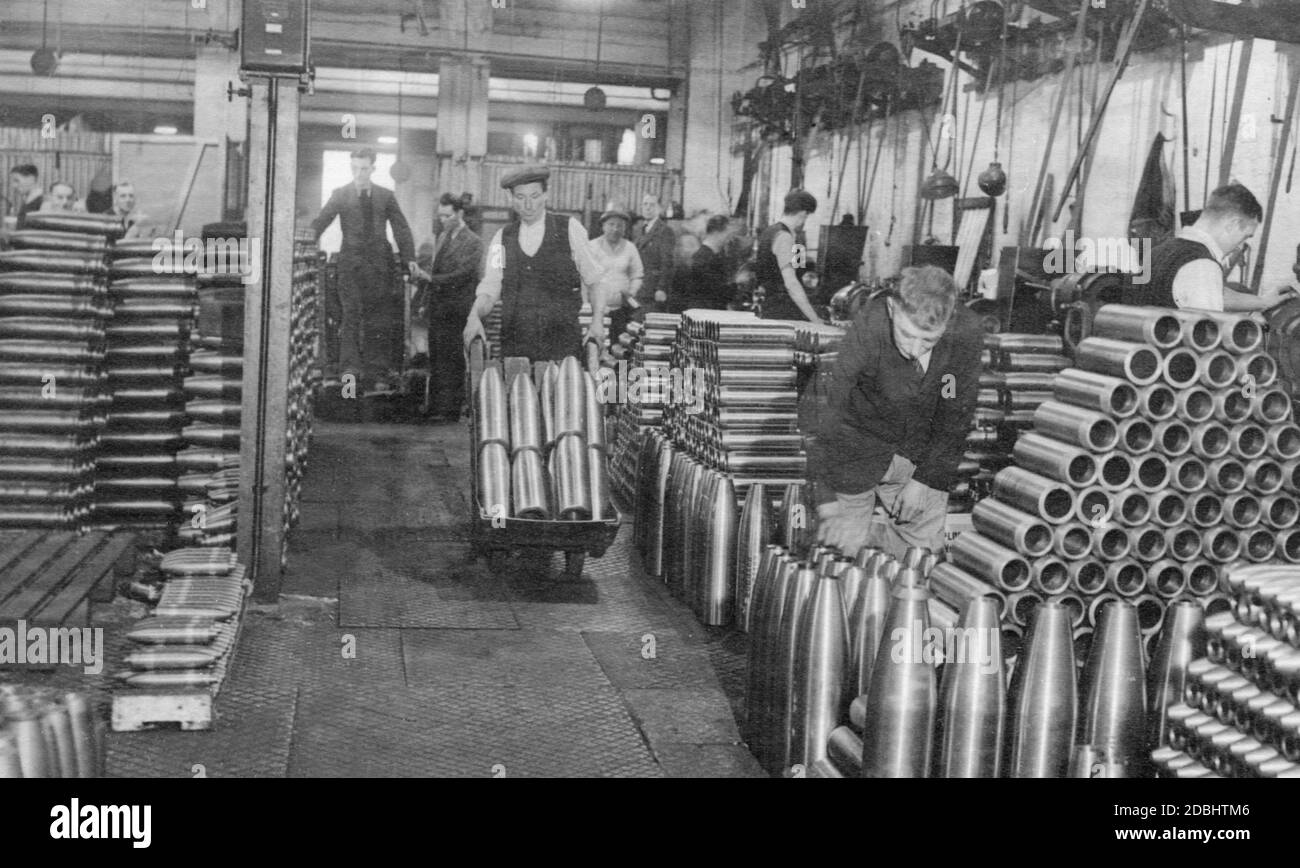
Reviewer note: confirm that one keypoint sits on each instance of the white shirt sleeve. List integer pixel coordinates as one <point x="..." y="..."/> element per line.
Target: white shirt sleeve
<point x="579" y="245"/>
<point x="492" y="269"/>
<point x="1199" y="284"/>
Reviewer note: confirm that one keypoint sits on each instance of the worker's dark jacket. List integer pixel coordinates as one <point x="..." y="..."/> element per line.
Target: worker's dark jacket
<point x="1166" y="260"/>
<point x="364" y="231"/>
<point x="881" y="404"/>
<point x="656" y="249"/>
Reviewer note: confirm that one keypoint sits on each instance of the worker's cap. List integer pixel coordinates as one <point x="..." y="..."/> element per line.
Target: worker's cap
<point x="526" y="175"/>
<point x="615" y="212"/>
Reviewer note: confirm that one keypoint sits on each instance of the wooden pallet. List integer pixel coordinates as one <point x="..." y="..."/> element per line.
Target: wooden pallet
<point x="52" y="578"/>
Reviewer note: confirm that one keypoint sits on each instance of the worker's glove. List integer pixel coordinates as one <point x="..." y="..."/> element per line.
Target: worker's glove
<point x="845" y="521"/>
<point x="596" y="332"/>
<point x="911" y="501"/>
<point x="473" y="329"/>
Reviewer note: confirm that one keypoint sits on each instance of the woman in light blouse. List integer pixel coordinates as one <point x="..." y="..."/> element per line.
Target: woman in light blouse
<point x="621" y="267"/>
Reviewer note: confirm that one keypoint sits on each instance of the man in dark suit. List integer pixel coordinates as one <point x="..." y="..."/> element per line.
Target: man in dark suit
<point x="655" y="242"/>
<point x="457" y="264"/>
<point x="366" y="278"/>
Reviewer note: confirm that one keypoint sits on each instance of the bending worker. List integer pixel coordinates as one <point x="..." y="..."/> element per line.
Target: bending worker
<point x="1188" y="271"/>
<point x="902" y="397"/>
<point x="538" y="266"/>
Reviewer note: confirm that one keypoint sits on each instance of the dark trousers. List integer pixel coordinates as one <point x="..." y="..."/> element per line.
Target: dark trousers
<point x="447" y="354"/>
<point x="367" y="304"/>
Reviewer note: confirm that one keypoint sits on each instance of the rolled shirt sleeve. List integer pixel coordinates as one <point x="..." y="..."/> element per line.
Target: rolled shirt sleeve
<point x="588" y="268"/>
<point x="493" y="267"/>
<point x="1199" y="284"/>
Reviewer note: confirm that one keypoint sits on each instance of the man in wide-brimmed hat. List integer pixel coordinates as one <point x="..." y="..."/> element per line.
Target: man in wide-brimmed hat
<point x="537" y="266"/>
<point x="622" y="271"/>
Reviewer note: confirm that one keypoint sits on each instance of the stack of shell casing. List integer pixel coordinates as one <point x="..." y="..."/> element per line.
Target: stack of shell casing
<point x="747" y="423"/>
<point x="209" y="463"/>
<point x="541" y="443"/>
<point x="1164" y="454"/>
<point x="1017" y="378"/>
<point x="816" y="347"/>
<point x="843" y="677"/>
<point x="945" y="689"/>
<point x="211" y="499"/>
<point x="54" y="309"/>
<point x="304" y="375"/>
<point x="154" y="306"/>
<point x="1235" y="712"/>
<point x="49" y="733"/>
<point x="639" y="356"/>
<point x="187" y="640"/>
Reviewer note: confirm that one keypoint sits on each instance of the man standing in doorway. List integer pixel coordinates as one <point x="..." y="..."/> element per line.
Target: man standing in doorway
<point x="457" y="263"/>
<point x="783" y="295"/>
<point x="365" y="267"/>
<point x="537" y="266"/>
<point x="655" y="243"/>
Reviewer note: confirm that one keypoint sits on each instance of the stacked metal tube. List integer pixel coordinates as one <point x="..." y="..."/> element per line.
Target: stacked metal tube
<point x="728" y="453"/>
<point x="1017" y="378"/>
<point x="541" y="444"/>
<point x="304" y="375"/>
<point x="187" y="641"/>
<point x="54" y="309"/>
<point x="208" y="465"/>
<point x="640" y="355"/>
<point x="154" y="306"/>
<point x="49" y="733"/>
<point x="1163" y="455"/>
<point x="1238" y="713"/>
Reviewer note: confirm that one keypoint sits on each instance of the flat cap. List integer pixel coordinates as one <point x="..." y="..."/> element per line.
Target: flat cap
<point x="525" y="175"/>
<point x="616" y="212"/>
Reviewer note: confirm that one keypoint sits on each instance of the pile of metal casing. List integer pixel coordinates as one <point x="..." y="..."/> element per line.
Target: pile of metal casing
<point x="148" y="346"/>
<point x="49" y="733"/>
<point x="1164" y="454"/>
<point x="1017" y="377"/>
<point x="209" y="464"/>
<point x="887" y="668"/>
<point x="187" y="640"/>
<point x="747" y="422"/>
<point x="541" y="443"/>
<point x="1236" y="710"/>
<point x="640" y="355"/>
<point x="304" y="375"/>
<point x="54" y="309"/>
<point x="816" y="348"/>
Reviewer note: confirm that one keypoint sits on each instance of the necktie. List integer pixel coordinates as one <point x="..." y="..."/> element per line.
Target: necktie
<point x="367" y="217"/>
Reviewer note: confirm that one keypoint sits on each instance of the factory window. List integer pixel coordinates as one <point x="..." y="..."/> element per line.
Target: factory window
<point x="627" y="148"/>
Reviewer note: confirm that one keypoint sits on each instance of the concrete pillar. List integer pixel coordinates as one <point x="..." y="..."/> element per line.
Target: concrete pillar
<point x="462" y="124"/>
<point x="463" y="100"/>
<point x="215" y="117"/>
